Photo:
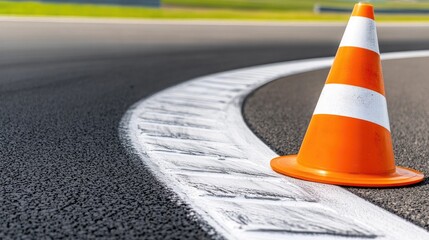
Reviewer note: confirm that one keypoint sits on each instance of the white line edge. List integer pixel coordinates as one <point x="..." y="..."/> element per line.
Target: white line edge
<point x="208" y="22"/>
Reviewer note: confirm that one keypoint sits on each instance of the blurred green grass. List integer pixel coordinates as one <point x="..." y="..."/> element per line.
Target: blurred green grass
<point x="272" y="5"/>
<point x="291" y="5"/>
<point x="263" y="10"/>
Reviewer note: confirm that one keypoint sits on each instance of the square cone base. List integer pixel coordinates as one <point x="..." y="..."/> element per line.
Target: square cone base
<point x="288" y="165"/>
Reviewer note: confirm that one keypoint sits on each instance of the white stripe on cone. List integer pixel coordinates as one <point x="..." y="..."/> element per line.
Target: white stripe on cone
<point x="356" y="102"/>
<point x="361" y="32"/>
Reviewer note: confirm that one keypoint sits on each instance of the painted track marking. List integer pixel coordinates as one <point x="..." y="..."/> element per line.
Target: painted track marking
<point x="191" y="22"/>
<point x="195" y="140"/>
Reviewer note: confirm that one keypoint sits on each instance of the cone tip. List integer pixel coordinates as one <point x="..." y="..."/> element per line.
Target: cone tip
<point x="363" y="9"/>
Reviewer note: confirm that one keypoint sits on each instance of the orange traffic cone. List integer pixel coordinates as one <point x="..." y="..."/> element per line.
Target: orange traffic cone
<point x="348" y="141"/>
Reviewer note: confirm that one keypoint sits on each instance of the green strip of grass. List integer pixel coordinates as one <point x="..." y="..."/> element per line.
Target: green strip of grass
<point x="289" y="5"/>
<point x="272" y="5"/>
<point x="88" y="10"/>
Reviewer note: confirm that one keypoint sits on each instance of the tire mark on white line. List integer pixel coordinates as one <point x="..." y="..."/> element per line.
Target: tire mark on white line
<point x="194" y="138"/>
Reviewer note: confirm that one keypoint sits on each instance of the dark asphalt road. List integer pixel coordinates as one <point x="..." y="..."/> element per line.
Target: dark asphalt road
<point x="279" y="113"/>
<point x="63" y="90"/>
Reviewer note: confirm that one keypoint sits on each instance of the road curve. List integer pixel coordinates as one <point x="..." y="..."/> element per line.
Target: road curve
<point x="64" y="88"/>
<point x="279" y="114"/>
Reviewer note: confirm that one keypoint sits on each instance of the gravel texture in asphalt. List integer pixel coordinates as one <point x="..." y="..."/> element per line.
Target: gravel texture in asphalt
<point x="64" y="88"/>
<point x="280" y="111"/>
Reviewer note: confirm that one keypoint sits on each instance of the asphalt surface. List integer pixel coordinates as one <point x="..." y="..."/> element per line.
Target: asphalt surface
<point x="280" y="111"/>
<point x="64" y="88"/>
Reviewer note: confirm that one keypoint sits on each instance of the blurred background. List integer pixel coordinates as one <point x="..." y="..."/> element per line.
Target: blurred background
<point x="265" y="10"/>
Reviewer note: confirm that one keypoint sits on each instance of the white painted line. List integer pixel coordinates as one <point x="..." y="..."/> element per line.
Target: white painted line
<point x="197" y="22"/>
<point x="193" y="137"/>
<point x="361" y="32"/>
<point x="352" y="101"/>
<point x="185" y="22"/>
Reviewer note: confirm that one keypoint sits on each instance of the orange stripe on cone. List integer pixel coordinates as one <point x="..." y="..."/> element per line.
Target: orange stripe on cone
<point x="348" y="141"/>
<point x="352" y="65"/>
<point x="363" y="10"/>
<point x="344" y="144"/>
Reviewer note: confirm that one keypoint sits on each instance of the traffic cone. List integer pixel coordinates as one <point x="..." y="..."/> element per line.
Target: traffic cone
<point x="348" y="141"/>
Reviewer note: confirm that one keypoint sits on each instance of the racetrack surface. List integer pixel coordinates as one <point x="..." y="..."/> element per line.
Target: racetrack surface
<point x="280" y="111"/>
<point x="64" y="88"/>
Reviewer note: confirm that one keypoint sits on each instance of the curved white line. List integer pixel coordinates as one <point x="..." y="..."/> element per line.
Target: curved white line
<point x="194" y="139"/>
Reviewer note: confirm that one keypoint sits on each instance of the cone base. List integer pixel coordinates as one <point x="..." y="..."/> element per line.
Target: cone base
<point x="288" y="165"/>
